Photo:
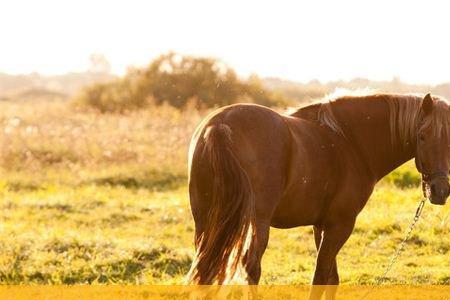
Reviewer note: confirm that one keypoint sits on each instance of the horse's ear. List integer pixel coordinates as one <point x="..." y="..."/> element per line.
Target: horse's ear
<point x="427" y="104"/>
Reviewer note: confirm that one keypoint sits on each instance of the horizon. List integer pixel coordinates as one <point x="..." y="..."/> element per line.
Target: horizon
<point x="376" y="41"/>
<point x="285" y="80"/>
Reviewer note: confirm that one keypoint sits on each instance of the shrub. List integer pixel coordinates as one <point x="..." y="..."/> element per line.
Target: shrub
<point x="176" y="80"/>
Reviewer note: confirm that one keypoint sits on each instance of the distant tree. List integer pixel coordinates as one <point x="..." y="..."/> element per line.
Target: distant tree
<point x="99" y="64"/>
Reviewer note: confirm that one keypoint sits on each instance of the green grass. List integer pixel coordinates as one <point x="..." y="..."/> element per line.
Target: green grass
<point x="104" y="200"/>
<point x="137" y="228"/>
<point x="94" y="234"/>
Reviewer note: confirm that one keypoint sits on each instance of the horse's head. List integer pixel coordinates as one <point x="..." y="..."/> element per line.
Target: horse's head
<point x="433" y="149"/>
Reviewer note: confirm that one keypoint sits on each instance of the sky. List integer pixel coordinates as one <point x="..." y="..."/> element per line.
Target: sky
<point x="296" y="40"/>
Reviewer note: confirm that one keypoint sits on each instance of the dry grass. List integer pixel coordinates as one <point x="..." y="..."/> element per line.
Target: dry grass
<point x="55" y="134"/>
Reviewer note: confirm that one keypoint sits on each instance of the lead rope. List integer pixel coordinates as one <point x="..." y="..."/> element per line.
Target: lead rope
<point x="399" y="250"/>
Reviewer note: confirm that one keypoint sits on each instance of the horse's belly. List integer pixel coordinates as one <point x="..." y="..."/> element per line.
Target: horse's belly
<point x="298" y="208"/>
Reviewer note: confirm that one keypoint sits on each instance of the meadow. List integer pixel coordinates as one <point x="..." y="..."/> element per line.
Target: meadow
<point x="102" y="198"/>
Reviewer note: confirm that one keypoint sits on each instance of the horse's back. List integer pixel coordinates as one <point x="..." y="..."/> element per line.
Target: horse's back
<point x="258" y="133"/>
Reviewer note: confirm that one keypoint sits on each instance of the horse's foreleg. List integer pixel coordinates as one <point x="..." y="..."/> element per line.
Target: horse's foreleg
<point x="332" y="283"/>
<point x="318" y="234"/>
<point x="333" y="238"/>
<point x="333" y="279"/>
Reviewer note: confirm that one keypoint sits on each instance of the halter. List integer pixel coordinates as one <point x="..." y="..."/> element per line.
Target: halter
<point x="428" y="177"/>
<point x="436" y="175"/>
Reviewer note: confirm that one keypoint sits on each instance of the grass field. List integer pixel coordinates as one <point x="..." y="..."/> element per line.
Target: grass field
<point x="92" y="198"/>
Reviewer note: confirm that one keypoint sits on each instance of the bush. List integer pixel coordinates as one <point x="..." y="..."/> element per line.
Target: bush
<point x="178" y="81"/>
<point x="404" y="177"/>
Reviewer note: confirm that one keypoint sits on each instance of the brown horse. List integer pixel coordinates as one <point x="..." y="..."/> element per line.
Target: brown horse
<point x="252" y="168"/>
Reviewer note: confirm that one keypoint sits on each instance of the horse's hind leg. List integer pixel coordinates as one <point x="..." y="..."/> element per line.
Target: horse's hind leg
<point x="262" y="238"/>
<point x="267" y="197"/>
<point x="256" y="253"/>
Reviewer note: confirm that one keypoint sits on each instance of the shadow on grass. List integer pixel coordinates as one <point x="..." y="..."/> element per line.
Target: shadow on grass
<point x="151" y="180"/>
<point x="17" y="186"/>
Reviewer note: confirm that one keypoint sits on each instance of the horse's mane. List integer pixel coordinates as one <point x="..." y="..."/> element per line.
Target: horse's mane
<point x="404" y="113"/>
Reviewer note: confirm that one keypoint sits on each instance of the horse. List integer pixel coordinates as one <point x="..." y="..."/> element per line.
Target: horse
<point x="252" y="168"/>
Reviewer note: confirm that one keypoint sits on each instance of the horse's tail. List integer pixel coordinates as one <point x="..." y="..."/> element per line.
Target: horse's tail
<point x="225" y="245"/>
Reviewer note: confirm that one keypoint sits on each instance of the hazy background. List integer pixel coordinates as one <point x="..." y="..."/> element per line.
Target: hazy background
<point x="297" y="41"/>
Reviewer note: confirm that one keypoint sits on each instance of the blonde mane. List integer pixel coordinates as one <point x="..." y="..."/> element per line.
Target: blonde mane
<point x="404" y="111"/>
<point x="403" y="118"/>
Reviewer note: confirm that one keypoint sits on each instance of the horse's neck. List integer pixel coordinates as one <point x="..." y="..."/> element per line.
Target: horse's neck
<point x="367" y="128"/>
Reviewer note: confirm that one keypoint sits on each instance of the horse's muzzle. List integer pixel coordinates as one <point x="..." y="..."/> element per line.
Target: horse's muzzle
<point x="439" y="191"/>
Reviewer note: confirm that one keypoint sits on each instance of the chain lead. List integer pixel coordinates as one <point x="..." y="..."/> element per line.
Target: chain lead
<point x="399" y="249"/>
